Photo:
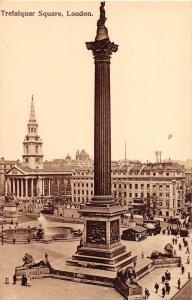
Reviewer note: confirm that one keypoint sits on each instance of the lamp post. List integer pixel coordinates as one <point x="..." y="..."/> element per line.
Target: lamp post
<point x="2" y="237"/>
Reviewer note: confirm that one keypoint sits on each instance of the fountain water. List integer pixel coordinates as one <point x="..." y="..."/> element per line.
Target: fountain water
<point x="44" y="224"/>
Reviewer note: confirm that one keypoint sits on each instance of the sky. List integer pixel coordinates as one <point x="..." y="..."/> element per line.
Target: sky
<point x="151" y="78"/>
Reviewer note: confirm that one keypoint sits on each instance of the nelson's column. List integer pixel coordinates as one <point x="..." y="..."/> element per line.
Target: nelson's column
<point x="101" y="249"/>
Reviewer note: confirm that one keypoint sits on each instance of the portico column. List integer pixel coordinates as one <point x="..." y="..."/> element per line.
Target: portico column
<point x="21" y="187"/>
<point x="49" y="186"/>
<point x="13" y="185"/>
<point x="32" y="187"/>
<point x="17" y="187"/>
<point x="26" y="187"/>
<point x="43" y="192"/>
<point x="6" y="187"/>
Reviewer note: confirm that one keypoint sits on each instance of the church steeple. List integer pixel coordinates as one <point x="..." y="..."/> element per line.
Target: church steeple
<point x="32" y="145"/>
<point x="32" y="112"/>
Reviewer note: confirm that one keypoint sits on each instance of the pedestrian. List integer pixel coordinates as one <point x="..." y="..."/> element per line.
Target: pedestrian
<point x="180" y="247"/>
<point x="163" y="292"/>
<point x="14" y="278"/>
<point x="134" y="264"/>
<point x="187" y="251"/>
<point x="167" y="287"/>
<point x="142" y="255"/>
<point x="163" y="279"/>
<point x="189" y="275"/>
<point x="156" y="287"/>
<point x="147" y="294"/>
<point x="188" y="260"/>
<point x="166" y="275"/>
<point x="173" y="241"/>
<point x="169" y="276"/>
<point x="182" y="269"/>
<point x="179" y="284"/>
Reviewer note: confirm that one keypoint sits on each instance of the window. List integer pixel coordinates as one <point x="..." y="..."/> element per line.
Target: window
<point x="37" y="159"/>
<point x="74" y="191"/>
<point x="167" y="187"/>
<point x="136" y="186"/>
<point x="167" y="174"/>
<point x="154" y="174"/>
<point x="119" y="186"/>
<point x="130" y="186"/>
<point x="74" y="199"/>
<point x="125" y="194"/>
<point x="148" y="186"/>
<point x="27" y="149"/>
<point x="114" y="185"/>
<point x="82" y="192"/>
<point x="160" y="195"/>
<point x="82" y="184"/>
<point x="154" y="186"/>
<point x="26" y="160"/>
<point x="136" y="195"/>
<point x="160" y="187"/>
<point x="91" y="184"/>
<point x="167" y="195"/>
<point x="31" y="129"/>
<point x="36" y="149"/>
<point x="130" y="194"/>
<point x="142" y="186"/>
<point x="124" y="186"/>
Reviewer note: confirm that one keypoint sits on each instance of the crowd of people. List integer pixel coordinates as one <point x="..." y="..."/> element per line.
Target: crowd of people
<point x="163" y="286"/>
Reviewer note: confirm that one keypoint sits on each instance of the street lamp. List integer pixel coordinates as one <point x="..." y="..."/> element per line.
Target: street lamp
<point x="2" y="232"/>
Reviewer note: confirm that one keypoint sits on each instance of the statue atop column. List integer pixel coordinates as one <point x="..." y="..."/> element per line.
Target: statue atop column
<point x="102" y="19"/>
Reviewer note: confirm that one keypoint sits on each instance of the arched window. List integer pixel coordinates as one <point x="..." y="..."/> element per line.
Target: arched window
<point x="26" y="160"/>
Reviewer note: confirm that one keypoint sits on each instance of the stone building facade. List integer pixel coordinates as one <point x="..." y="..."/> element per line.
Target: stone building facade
<point x="162" y="183"/>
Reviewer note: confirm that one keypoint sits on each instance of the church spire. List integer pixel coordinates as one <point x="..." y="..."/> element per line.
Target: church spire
<point x="32" y="111"/>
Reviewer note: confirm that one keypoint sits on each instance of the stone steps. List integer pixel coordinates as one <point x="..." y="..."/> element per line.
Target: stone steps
<point x="106" y="253"/>
<point x="110" y="261"/>
<point x="95" y="265"/>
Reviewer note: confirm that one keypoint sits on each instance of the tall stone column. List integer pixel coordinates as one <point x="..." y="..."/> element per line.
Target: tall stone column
<point x="102" y="49"/>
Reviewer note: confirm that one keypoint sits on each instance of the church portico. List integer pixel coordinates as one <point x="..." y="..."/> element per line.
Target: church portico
<point x="30" y="184"/>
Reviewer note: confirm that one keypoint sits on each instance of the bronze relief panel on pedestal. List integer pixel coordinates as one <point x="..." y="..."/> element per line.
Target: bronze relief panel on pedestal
<point x="96" y="232"/>
<point x="114" y="231"/>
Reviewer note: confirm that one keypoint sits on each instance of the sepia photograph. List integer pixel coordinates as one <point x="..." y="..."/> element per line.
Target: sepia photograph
<point x="96" y="150"/>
